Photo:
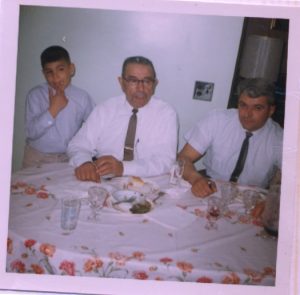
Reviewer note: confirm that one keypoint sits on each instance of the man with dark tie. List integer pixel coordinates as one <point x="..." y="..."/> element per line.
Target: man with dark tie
<point x="131" y="134"/>
<point x="242" y="145"/>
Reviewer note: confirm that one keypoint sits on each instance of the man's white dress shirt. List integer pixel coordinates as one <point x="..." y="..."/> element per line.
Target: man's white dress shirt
<point x="105" y="130"/>
<point x="219" y="135"/>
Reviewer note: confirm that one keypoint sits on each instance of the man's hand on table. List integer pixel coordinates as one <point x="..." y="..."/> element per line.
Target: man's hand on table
<point x="203" y="187"/>
<point x="109" y="165"/>
<point x="87" y="172"/>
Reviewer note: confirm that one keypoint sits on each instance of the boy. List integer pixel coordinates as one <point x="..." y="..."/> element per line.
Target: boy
<point x="54" y="110"/>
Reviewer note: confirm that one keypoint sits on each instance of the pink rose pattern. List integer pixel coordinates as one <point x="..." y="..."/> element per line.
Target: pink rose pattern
<point x="68" y="267"/>
<point x="93" y="265"/>
<point x="118" y="260"/>
<point x="29" y="243"/>
<point x="31" y="190"/>
<point x="166" y="268"/>
<point x="140" y="275"/>
<point x="230" y="216"/>
<point x="17" y="266"/>
<point x="47" y="249"/>
<point x="37" y="269"/>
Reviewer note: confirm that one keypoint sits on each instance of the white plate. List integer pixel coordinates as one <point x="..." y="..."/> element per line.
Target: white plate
<point x="124" y="183"/>
<point x="23" y="188"/>
<point x="123" y="200"/>
<point x="126" y="196"/>
<point x="149" y="187"/>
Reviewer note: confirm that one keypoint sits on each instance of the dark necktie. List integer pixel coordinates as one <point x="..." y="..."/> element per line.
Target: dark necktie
<point x="129" y="141"/>
<point x="242" y="158"/>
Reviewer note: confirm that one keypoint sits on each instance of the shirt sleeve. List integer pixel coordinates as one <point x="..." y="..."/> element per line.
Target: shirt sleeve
<point x="82" y="146"/>
<point x="200" y="136"/>
<point x="37" y="117"/>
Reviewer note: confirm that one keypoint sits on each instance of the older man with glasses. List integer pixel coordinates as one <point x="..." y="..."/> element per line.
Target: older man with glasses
<point x="131" y="134"/>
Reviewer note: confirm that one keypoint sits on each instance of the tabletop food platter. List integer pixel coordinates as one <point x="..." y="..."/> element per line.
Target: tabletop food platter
<point x="131" y="195"/>
<point x="129" y="201"/>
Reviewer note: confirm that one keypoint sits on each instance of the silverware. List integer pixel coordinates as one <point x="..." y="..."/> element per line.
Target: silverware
<point x="160" y="194"/>
<point x="130" y="200"/>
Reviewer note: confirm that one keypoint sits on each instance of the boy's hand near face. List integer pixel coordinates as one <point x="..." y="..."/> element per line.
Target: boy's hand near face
<point x="57" y="101"/>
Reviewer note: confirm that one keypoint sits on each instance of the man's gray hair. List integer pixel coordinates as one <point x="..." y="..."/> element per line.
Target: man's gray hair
<point x="256" y="87"/>
<point x="138" y="60"/>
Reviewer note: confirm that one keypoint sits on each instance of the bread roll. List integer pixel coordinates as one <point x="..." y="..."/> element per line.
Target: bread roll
<point x="135" y="181"/>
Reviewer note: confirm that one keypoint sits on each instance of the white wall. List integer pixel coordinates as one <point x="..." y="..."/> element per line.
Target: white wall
<point x="183" y="48"/>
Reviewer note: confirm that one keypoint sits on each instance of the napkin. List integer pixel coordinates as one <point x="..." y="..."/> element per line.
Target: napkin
<point x="178" y="190"/>
<point x="173" y="217"/>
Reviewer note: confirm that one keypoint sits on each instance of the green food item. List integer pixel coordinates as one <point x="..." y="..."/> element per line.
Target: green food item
<point x="140" y="208"/>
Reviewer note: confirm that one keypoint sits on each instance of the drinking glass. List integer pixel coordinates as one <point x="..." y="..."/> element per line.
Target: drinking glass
<point x="177" y="172"/>
<point x="214" y="212"/>
<point x="229" y="192"/>
<point x="250" y="199"/>
<point x="70" y="212"/>
<point x="96" y="198"/>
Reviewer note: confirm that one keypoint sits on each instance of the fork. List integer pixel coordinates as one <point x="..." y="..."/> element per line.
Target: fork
<point x="160" y="194"/>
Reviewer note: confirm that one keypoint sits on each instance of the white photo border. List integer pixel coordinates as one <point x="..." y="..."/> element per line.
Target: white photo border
<point x="287" y="259"/>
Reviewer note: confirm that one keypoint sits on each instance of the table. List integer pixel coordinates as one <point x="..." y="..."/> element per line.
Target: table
<point x="169" y="243"/>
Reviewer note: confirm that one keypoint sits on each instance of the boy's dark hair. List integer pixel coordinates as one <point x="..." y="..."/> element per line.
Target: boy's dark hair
<point x="255" y="87"/>
<point x="54" y="53"/>
<point x="137" y="60"/>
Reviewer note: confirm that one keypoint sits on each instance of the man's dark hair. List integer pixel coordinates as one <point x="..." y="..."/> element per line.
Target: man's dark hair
<point x="137" y="60"/>
<point x="54" y="53"/>
<point x="256" y="87"/>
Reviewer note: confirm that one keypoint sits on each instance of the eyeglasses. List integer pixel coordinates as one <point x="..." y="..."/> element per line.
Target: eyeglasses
<point x="134" y="82"/>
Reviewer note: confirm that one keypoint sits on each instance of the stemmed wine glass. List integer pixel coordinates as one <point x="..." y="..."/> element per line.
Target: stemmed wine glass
<point x="214" y="212"/>
<point x="229" y="192"/>
<point x="250" y="198"/>
<point x="96" y="198"/>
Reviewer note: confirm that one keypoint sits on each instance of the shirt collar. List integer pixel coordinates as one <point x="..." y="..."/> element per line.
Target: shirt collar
<point x="141" y="110"/>
<point x="260" y="130"/>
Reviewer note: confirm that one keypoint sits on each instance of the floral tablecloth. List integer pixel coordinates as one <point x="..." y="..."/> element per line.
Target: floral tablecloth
<point x="170" y="243"/>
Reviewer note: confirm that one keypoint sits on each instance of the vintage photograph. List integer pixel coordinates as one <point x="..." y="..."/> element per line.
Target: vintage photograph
<point x="142" y="155"/>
